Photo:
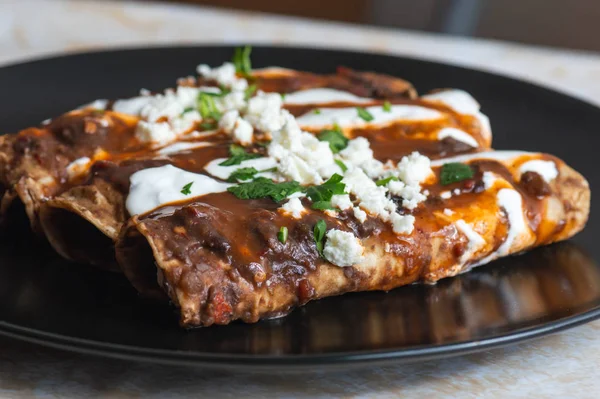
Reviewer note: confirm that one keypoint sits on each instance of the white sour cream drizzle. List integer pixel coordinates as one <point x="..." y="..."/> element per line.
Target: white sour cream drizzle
<point x="463" y="103"/>
<point x="493" y="155"/>
<point x="155" y="187"/>
<point x="475" y="240"/>
<point x="322" y="96"/>
<point x="223" y="172"/>
<point x="182" y="146"/>
<point x="511" y="201"/>
<point x="457" y="135"/>
<point x="546" y="169"/>
<point x="348" y="117"/>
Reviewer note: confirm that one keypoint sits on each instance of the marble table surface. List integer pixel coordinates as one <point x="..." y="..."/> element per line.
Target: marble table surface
<point x="563" y="364"/>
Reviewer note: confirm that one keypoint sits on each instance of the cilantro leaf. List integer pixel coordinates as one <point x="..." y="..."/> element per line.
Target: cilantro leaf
<point x="319" y="235"/>
<point x="336" y="139"/>
<point x="249" y="92"/>
<point x="321" y="195"/>
<point x="364" y="114"/>
<point x="387" y="106"/>
<point x="454" y="172"/>
<point x="317" y="111"/>
<point x="241" y="60"/>
<point x="186" y="189"/>
<point x="207" y="106"/>
<point x="282" y="235"/>
<point x="383" y="182"/>
<point x="261" y="187"/>
<point x="237" y="156"/>
<point x="242" y="174"/>
<point x="342" y="165"/>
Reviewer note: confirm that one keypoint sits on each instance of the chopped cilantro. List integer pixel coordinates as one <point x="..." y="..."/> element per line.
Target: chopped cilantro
<point x="387" y="106"/>
<point x="341" y="165"/>
<point x="282" y="235"/>
<point x="188" y="109"/>
<point x="383" y="182"/>
<point x="321" y="195"/>
<point x="237" y="156"/>
<point x="319" y="235"/>
<point x="317" y="111"/>
<point x="336" y="139"/>
<point x="207" y="107"/>
<point x="454" y="172"/>
<point x="242" y="174"/>
<point x="249" y="92"/>
<point x="364" y="114"/>
<point x="208" y="125"/>
<point x="241" y="60"/>
<point x="261" y="187"/>
<point x="282" y="96"/>
<point x="186" y="189"/>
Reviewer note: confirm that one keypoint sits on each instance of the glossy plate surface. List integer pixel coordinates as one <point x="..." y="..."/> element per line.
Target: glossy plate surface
<point x="50" y="301"/>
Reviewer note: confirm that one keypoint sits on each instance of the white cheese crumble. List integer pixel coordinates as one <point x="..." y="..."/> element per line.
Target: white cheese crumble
<point x="264" y="112"/>
<point x="402" y="224"/>
<point x="359" y="214"/>
<point x="224" y="75"/>
<point x="546" y="169"/>
<point x="448" y="212"/>
<point x="445" y="194"/>
<point x="457" y="135"/>
<point x="342" y="248"/>
<point x="241" y="131"/>
<point x="411" y="195"/>
<point x="414" y="168"/>
<point x="294" y="208"/>
<point x="150" y="132"/>
<point x="78" y="167"/>
<point x="154" y="187"/>
<point x="342" y="202"/>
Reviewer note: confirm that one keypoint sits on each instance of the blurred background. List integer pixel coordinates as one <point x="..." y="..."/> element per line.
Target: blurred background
<point x="561" y="23"/>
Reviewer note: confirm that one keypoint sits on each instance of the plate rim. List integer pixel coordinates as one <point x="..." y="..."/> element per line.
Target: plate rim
<point x="299" y="362"/>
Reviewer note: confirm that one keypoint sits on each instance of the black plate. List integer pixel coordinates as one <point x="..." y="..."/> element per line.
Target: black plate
<point x="52" y="302"/>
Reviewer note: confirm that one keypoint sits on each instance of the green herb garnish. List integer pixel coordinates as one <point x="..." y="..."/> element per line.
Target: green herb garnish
<point x="237" y="156"/>
<point x="336" y="139"/>
<point x="207" y="106"/>
<point x="249" y="92"/>
<point x="321" y="195"/>
<point x="454" y="172"/>
<point x="261" y="187"/>
<point x="319" y="235"/>
<point x="282" y="235"/>
<point x="342" y="165"/>
<point x="317" y="111"/>
<point x="282" y="96"/>
<point x="188" y="109"/>
<point x="364" y="114"/>
<point x="208" y="125"/>
<point x="383" y="182"/>
<point x="387" y="106"/>
<point x="186" y="189"/>
<point x="242" y="174"/>
<point x="241" y="60"/>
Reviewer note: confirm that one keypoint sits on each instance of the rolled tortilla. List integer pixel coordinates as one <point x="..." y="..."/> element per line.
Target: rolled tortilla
<point x="100" y="204"/>
<point x="218" y="258"/>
